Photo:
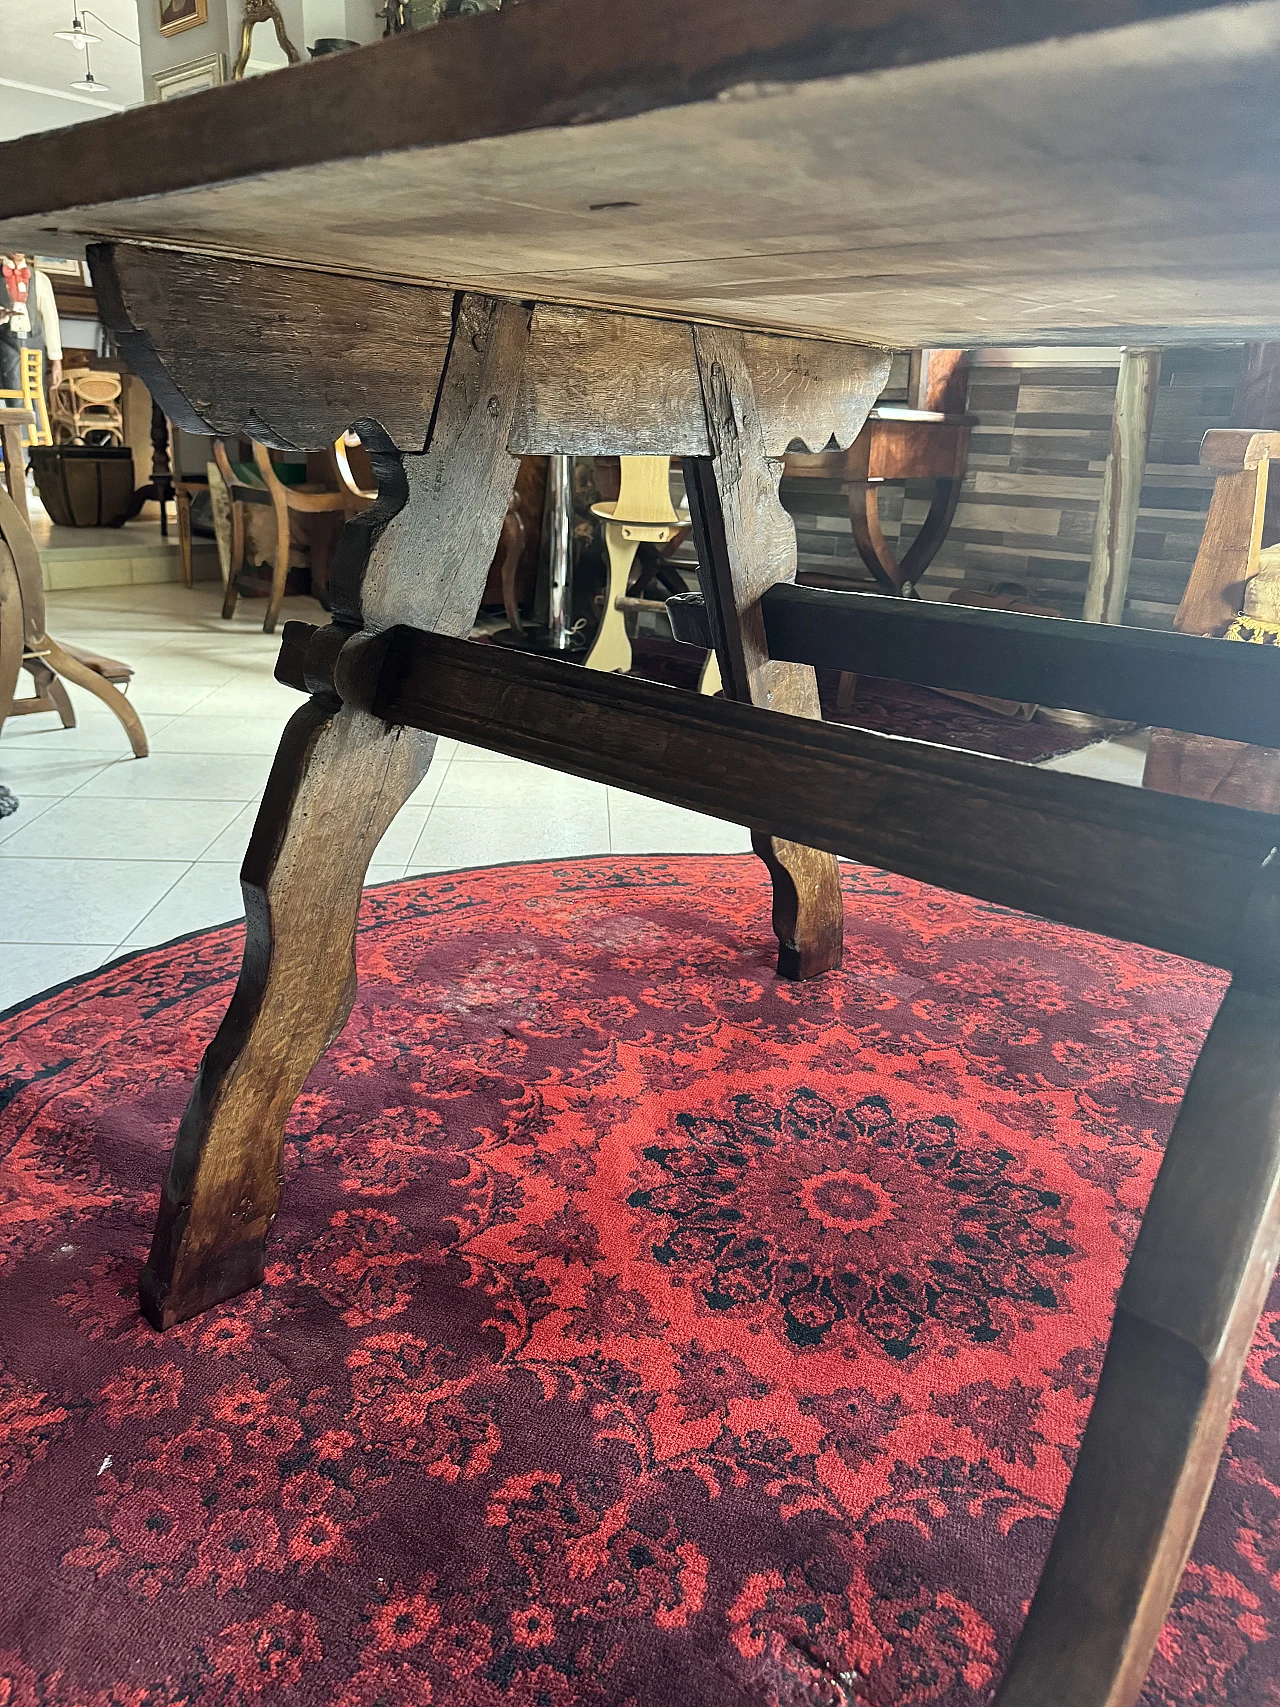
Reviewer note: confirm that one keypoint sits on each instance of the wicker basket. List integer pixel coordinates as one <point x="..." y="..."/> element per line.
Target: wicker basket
<point x="85" y="486"/>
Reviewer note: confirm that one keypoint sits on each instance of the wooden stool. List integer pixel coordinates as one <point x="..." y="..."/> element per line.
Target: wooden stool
<point x="24" y="643"/>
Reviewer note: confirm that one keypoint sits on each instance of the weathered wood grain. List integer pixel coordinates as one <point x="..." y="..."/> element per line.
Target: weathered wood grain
<point x="608" y="385"/>
<point x="546" y="154"/>
<point x="1125" y="862"/>
<point x="1187" y="1311"/>
<point x="279" y="354"/>
<point x="337" y="782"/>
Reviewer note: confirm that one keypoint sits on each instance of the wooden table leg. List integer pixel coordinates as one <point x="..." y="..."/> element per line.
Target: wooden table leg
<point x="15" y="475"/>
<point x="1190" y="1302"/>
<point x="745" y="543"/>
<point x="338" y="780"/>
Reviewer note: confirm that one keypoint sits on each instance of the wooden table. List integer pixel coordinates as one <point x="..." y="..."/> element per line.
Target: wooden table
<point x="651" y="229"/>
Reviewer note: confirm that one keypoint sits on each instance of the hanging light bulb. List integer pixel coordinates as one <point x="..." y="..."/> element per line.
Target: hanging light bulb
<point x="77" y="35"/>
<point x="89" y="82"/>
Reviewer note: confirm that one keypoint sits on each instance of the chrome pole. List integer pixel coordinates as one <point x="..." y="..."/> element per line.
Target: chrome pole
<point x="558" y="607"/>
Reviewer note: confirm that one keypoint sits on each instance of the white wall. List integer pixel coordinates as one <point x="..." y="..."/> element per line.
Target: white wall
<point x="304" y="21"/>
<point x="37" y="70"/>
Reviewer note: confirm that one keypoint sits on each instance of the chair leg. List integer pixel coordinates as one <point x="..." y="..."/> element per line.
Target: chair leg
<point x="280" y="565"/>
<point x="48" y="687"/>
<point x="63" y="664"/>
<point x="182" y="504"/>
<point x="611" y="648"/>
<point x="231" y="594"/>
<point x="1187" y="1310"/>
<point x="745" y="543"/>
<point x="338" y="780"/>
<point x="511" y="544"/>
<point x="873" y="548"/>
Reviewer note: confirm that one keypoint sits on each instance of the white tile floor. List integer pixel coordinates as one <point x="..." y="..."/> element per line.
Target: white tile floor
<point x="107" y="853"/>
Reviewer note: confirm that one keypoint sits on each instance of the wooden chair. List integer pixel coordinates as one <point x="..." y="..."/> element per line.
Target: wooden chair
<point x="26" y="644"/>
<point x="285" y="500"/>
<point x="1234" y="592"/>
<point x="641" y="513"/>
<point x="88" y="402"/>
<point x="30" y="398"/>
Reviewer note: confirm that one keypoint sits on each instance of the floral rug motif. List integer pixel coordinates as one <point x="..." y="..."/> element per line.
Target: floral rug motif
<point x="639" y="1330"/>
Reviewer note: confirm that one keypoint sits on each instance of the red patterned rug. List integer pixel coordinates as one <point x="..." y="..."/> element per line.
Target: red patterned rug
<point x="640" y="1331"/>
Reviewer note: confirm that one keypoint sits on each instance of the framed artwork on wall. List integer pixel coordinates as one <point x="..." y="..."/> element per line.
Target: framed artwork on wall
<point x="189" y="78"/>
<point x="179" y="15"/>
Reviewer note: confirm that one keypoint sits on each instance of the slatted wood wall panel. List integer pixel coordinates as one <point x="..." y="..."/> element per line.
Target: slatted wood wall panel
<point x="1035" y="476"/>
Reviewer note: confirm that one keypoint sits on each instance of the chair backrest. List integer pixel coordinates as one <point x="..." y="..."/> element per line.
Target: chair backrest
<point x="30" y="396"/>
<point x="33" y="393"/>
<point x="92" y="388"/>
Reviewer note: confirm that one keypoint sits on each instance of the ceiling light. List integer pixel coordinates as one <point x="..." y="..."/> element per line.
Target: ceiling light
<point x="89" y="83"/>
<point x="77" y="34"/>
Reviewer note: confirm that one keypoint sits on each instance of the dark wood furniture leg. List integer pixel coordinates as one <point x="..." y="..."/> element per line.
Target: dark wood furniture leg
<point x="338" y="780"/>
<point x="746" y="543"/>
<point x="1191" y="1298"/>
<point x="893" y="573"/>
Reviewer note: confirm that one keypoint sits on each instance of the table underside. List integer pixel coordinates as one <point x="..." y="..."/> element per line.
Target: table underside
<point x="1111" y="186"/>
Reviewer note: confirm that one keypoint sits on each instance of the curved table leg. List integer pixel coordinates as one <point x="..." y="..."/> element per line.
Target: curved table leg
<point x="338" y="780"/>
<point x="1187" y="1311"/>
<point x="746" y="543"/>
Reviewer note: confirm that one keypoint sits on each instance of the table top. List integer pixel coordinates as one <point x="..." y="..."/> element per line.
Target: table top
<point x="902" y="172"/>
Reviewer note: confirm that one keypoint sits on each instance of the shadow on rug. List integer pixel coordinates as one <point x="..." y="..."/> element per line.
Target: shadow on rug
<point x="638" y="1330"/>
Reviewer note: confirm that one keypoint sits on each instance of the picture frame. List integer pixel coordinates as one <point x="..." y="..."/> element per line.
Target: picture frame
<point x="189" y="78"/>
<point x="179" y="15"/>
